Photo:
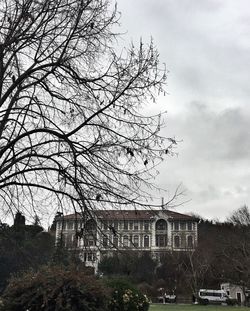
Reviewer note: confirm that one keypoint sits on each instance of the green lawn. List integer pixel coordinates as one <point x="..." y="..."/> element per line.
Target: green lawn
<point x="174" y="307"/>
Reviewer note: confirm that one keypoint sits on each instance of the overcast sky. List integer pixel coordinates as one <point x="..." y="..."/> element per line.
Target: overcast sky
<point x="206" y="46"/>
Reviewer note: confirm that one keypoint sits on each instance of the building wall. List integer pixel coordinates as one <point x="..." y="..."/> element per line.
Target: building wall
<point x="156" y="232"/>
<point x="234" y="291"/>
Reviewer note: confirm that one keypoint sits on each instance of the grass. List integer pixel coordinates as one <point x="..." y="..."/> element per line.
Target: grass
<point x="180" y="307"/>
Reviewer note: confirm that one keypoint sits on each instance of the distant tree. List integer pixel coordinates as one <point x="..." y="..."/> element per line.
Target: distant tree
<point x="72" y="128"/>
<point x="204" y="266"/>
<point x="19" y="219"/>
<point x="110" y="265"/>
<point x="23" y="247"/>
<point x="138" y="266"/>
<point x="53" y="226"/>
<point x="240" y="217"/>
<point x="172" y="269"/>
<point x="207" y="267"/>
<point x="236" y="248"/>
<point x="144" y="268"/>
<point x="55" y="288"/>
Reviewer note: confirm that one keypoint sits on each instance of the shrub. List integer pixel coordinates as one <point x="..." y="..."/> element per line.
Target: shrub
<point x="231" y="302"/>
<point x="202" y="301"/>
<point x="147" y="289"/>
<point x="52" y="289"/>
<point x="125" y="297"/>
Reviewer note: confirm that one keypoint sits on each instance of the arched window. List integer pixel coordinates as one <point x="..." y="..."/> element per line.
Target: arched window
<point x="161" y="238"/>
<point x="176" y="241"/>
<point x="190" y="242"/>
<point x="136" y="241"/>
<point x="161" y="225"/>
<point x="115" y="242"/>
<point x="146" y="241"/>
<point x="125" y="241"/>
<point x="105" y="242"/>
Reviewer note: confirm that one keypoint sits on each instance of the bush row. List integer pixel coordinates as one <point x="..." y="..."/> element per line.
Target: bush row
<point x="55" y="288"/>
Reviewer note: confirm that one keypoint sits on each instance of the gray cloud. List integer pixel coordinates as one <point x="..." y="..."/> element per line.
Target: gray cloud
<point x="215" y="136"/>
<point x="206" y="50"/>
<point x="213" y="161"/>
<point x="206" y="47"/>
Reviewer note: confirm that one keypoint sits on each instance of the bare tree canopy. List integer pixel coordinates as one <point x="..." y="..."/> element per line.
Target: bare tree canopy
<point x="240" y="217"/>
<point x="72" y="130"/>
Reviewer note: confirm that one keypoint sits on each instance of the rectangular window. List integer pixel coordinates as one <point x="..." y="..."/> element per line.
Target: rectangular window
<point x="69" y="240"/>
<point x="183" y="225"/>
<point x="190" y="226"/>
<point x="105" y="225"/>
<point x="176" y="226"/>
<point x="116" y="225"/>
<point x="146" y="225"/>
<point x="90" y="257"/>
<point x="70" y="225"/>
<point x="125" y="225"/>
<point x="131" y="225"/>
<point x="121" y="226"/>
<point x="141" y="225"/>
<point x="136" y="226"/>
<point x="89" y="240"/>
<point x="160" y="240"/>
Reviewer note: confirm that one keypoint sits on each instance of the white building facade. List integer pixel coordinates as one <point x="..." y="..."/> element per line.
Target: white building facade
<point x="237" y="292"/>
<point x="107" y="231"/>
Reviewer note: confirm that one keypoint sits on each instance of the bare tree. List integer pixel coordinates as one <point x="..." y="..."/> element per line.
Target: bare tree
<point x="72" y="131"/>
<point x="240" y="217"/>
<point x="236" y="248"/>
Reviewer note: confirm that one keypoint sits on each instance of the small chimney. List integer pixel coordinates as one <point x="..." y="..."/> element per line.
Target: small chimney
<point x="162" y="202"/>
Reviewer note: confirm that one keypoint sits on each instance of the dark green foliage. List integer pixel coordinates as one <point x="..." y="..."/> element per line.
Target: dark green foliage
<point x="222" y="255"/>
<point x="138" y="266"/>
<point x="232" y="302"/>
<point x="202" y="301"/>
<point x="19" y="219"/>
<point x="23" y="247"/>
<point x="54" y="288"/>
<point x="125" y="297"/>
<point x="110" y="265"/>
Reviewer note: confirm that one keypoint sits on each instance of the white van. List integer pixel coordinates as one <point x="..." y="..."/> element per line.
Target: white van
<point x="207" y="296"/>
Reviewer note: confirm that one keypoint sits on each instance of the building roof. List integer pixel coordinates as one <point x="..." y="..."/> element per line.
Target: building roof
<point x="134" y="214"/>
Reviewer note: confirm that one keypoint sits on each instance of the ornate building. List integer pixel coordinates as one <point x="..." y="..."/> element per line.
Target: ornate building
<point x="106" y="231"/>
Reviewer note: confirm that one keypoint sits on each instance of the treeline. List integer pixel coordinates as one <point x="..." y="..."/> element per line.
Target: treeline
<point x="23" y="247"/>
<point x="36" y="274"/>
<point x="222" y="255"/>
